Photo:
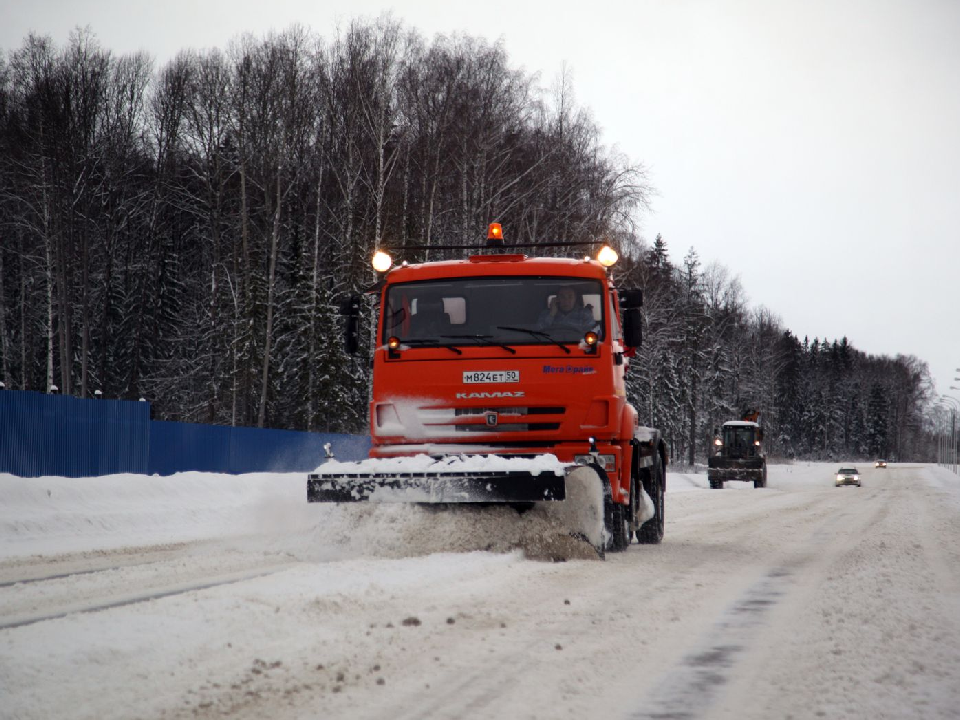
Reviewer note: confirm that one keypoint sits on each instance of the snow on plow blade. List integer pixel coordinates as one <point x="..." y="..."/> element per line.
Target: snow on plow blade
<point x="421" y="479"/>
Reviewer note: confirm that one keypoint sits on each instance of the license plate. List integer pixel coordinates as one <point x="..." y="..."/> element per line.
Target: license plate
<point x="491" y="376"/>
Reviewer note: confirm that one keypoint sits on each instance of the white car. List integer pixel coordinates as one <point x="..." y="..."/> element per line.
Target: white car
<point x="880" y="464"/>
<point x="848" y="476"/>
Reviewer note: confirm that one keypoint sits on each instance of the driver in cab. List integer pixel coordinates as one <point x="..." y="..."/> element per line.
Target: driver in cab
<point x="566" y="310"/>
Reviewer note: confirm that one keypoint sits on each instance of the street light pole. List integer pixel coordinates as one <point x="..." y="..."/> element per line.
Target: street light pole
<point x="947" y="413"/>
<point x="941" y="409"/>
<point x="953" y="429"/>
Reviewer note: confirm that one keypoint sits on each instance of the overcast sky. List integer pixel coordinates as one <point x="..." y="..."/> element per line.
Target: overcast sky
<point x="811" y="146"/>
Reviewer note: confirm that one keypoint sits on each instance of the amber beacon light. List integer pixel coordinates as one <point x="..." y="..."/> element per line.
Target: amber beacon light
<point x="494" y="235"/>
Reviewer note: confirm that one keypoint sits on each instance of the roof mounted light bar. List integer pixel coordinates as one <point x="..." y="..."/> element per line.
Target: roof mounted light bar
<point x="581" y="243"/>
<point x="607" y="256"/>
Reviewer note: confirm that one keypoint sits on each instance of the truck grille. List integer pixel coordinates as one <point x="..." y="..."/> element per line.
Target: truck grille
<point x="472" y="420"/>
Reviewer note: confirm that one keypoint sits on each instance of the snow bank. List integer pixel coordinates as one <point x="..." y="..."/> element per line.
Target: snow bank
<point x="54" y="514"/>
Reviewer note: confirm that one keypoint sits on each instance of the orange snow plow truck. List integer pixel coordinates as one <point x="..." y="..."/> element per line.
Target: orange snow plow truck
<point x="499" y="379"/>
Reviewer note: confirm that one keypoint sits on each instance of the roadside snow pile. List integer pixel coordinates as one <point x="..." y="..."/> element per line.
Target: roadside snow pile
<point x="56" y="514"/>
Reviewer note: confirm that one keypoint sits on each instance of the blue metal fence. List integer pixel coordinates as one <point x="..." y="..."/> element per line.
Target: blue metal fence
<point x="70" y="437"/>
<point x="175" y="447"/>
<point x="62" y="435"/>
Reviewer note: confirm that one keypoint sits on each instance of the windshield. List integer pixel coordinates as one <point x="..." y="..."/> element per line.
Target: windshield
<point x="494" y="310"/>
<point x="739" y="439"/>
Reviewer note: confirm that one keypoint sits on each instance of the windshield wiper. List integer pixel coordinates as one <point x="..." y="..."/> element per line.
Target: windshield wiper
<point x="483" y="340"/>
<point x="395" y="318"/>
<point x="431" y="343"/>
<point x="536" y="333"/>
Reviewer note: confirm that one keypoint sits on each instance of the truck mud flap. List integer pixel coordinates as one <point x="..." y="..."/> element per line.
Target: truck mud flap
<point x="460" y="487"/>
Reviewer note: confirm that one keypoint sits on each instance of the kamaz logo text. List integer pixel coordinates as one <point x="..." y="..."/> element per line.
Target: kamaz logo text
<point x="484" y="395"/>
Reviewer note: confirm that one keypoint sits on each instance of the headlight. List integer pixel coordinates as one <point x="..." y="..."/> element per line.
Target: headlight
<point x="856" y="477"/>
<point x="607" y="462"/>
<point x="839" y="478"/>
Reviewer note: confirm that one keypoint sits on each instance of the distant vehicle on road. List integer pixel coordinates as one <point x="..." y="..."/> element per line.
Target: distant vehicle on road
<point x="880" y="464"/>
<point x="738" y="453"/>
<point x="848" y="476"/>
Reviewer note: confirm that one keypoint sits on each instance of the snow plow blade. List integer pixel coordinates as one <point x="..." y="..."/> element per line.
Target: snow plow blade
<point x="437" y="487"/>
<point x="735" y="468"/>
<point x="564" y="502"/>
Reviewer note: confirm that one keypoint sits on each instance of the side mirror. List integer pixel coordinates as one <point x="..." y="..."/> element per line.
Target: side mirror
<point x="632" y="327"/>
<point x="350" y="310"/>
<point x="350" y="305"/>
<point x="630" y="298"/>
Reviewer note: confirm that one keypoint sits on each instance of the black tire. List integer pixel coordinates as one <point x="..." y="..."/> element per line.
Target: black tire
<point x="761" y="482"/>
<point x="651" y="532"/>
<point x="716" y="484"/>
<point x="615" y="517"/>
<point x="615" y="522"/>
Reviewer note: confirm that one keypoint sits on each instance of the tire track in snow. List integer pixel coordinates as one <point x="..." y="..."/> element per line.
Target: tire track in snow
<point x="25" y="620"/>
<point x="692" y="687"/>
<point x="61" y="576"/>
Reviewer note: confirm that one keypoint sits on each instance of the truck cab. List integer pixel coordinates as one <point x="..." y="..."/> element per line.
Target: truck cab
<point x="471" y="357"/>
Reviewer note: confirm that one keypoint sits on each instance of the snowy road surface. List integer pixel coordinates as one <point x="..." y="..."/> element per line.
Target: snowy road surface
<point x="203" y="596"/>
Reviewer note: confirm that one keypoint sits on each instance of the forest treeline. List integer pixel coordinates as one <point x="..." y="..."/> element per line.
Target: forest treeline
<point x="708" y="357"/>
<point x="185" y="234"/>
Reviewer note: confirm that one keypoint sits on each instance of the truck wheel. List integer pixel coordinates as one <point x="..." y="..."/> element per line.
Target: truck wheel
<point x="716" y="484"/>
<point x="651" y="532"/>
<point x="615" y="517"/>
<point x="615" y="523"/>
